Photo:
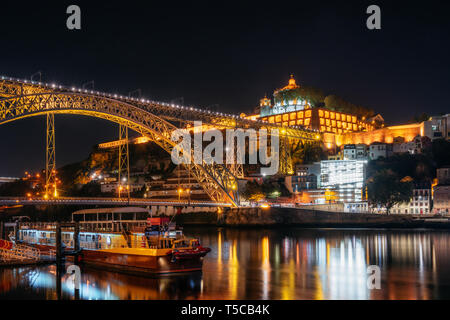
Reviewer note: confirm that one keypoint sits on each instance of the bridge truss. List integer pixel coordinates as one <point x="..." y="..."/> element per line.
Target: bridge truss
<point x="154" y="120"/>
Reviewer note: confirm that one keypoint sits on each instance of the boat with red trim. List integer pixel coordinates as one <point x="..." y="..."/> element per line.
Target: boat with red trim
<point x="126" y="240"/>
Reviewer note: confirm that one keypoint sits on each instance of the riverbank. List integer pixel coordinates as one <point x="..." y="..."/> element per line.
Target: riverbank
<point x="284" y="217"/>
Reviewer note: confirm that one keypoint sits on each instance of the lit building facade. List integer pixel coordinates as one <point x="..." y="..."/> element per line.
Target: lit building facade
<point x="345" y="177"/>
<point x="354" y="152"/>
<point x="380" y="150"/>
<point x="297" y="111"/>
<point x="316" y="118"/>
<point x="420" y="202"/>
<point x="441" y="199"/>
<point x="443" y="175"/>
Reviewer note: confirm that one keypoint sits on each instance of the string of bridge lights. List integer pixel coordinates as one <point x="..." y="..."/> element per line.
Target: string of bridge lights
<point x="141" y="100"/>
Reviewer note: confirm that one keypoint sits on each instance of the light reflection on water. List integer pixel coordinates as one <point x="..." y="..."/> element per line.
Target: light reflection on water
<point x="272" y="264"/>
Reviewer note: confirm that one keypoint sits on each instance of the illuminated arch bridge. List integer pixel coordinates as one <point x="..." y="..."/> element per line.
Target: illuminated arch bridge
<point x="155" y="120"/>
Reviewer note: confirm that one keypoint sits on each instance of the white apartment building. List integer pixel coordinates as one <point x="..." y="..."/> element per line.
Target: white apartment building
<point x="355" y="152"/>
<point x="443" y="175"/>
<point x="420" y="202"/>
<point x="378" y="150"/>
<point x="437" y="127"/>
<point x="441" y="199"/>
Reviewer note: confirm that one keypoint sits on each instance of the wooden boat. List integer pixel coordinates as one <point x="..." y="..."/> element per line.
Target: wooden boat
<point x="124" y="240"/>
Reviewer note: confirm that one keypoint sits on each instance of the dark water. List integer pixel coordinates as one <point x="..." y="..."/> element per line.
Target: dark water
<point x="272" y="264"/>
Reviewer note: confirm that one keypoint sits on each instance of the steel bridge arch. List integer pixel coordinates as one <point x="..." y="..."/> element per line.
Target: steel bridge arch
<point x="218" y="182"/>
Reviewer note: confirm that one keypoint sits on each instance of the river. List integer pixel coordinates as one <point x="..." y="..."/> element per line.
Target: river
<point x="280" y="264"/>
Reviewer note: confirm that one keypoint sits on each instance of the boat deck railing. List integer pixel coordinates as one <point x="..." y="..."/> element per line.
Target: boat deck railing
<point x="137" y="226"/>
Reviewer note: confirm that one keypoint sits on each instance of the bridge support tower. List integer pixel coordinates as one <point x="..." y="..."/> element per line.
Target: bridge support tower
<point x="50" y="160"/>
<point x="124" y="163"/>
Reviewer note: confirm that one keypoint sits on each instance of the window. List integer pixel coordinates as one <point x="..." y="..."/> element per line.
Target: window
<point x="292" y="116"/>
<point x="300" y="114"/>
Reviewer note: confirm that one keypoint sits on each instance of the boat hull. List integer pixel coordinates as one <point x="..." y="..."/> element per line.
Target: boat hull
<point x="138" y="264"/>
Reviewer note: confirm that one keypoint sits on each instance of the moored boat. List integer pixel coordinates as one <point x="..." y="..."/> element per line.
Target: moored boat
<point x="122" y="239"/>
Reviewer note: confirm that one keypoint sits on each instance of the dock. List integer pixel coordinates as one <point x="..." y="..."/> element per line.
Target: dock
<point x="18" y="255"/>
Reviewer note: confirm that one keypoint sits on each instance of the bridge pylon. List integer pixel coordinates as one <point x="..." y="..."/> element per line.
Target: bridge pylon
<point x="124" y="163"/>
<point x="286" y="163"/>
<point x="50" y="159"/>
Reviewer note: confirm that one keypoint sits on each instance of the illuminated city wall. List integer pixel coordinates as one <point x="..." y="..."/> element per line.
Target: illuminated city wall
<point x="385" y="135"/>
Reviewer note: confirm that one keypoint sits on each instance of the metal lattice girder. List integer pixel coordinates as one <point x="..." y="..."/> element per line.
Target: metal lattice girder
<point x="50" y="159"/>
<point x="189" y="115"/>
<point x="13" y="88"/>
<point x="124" y="161"/>
<point x="216" y="180"/>
<point x="286" y="163"/>
<point x="21" y="99"/>
<point x="169" y="112"/>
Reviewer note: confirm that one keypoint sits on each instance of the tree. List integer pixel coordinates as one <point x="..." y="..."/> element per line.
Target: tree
<point x="338" y="104"/>
<point x="253" y="192"/>
<point x="421" y="118"/>
<point x="17" y="188"/>
<point x="385" y="189"/>
<point x="306" y="153"/>
<point x="418" y="166"/>
<point x="441" y="152"/>
<point x="91" y="189"/>
<point x="314" y="96"/>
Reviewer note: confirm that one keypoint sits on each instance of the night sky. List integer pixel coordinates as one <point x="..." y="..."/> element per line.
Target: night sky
<point x="220" y="53"/>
